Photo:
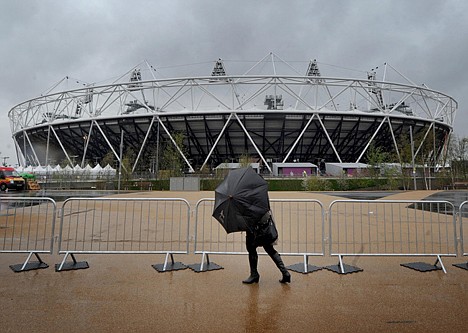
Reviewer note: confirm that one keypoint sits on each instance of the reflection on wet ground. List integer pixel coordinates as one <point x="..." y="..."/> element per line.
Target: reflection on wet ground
<point x="454" y="197"/>
<point x="357" y="195"/>
<point x="59" y="195"/>
<point x="124" y="293"/>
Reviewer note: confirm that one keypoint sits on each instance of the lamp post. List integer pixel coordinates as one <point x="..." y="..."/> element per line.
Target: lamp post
<point x="120" y="159"/>
<point x="412" y="157"/>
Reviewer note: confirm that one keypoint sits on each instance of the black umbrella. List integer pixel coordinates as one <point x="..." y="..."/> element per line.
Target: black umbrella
<point x="241" y="200"/>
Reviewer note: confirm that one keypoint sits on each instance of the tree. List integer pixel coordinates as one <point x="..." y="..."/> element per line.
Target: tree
<point x="109" y="158"/>
<point x="406" y="158"/>
<point x="127" y="162"/>
<point x="458" y="156"/>
<point x="244" y="160"/>
<point x="375" y="157"/>
<point x="171" y="159"/>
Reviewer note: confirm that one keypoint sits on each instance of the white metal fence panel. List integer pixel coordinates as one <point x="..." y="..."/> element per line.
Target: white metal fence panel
<point x="463" y="215"/>
<point x="388" y="227"/>
<point x="27" y="226"/>
<point x="121" y="226"/>
<point x="300" y="225"/>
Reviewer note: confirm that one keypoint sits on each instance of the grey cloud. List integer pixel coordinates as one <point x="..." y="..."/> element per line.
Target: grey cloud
<point x="44" y="41"/>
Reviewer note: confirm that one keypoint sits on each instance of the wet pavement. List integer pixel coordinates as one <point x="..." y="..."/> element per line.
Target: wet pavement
<point x="360" y="195"/>
<point x="455" y="197"/>
<point x="123" y="293"/>
<point x="59" y="195"/>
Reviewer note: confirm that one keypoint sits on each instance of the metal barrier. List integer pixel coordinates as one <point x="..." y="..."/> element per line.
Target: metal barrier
<point x="27" y="226"/>
<point x="124" y="226"/>
<point x="463" y="212"/>
<point x="300" y="225"/>
<point x="391" y="228"/>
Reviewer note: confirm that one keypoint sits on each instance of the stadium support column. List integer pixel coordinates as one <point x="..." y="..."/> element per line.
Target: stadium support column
<point x="87" y="138"/>
<point x="175" y="145"/>
<point x="61" y="145"/>
<point x="144" y="143"/>
<point x="107" y="141"/>
<point x="298" y="138"/>
<point x="217" y="140"/>
<point x="32" y="148"/>
<point x="384" y="120"/>
<point x="253" y="143"/>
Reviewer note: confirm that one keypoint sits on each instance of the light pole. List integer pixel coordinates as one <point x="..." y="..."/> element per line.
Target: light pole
<point x="120" y="159"/>
<point x="412" y="157"/>
<point x="4" y="160"/>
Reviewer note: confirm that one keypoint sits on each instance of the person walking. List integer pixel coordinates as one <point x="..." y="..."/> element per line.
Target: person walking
<point x="253" y="240"/>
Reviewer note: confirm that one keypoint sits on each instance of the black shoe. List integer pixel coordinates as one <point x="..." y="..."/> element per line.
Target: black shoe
<point x="253" y="278"/>
<point x="286" y="278"/>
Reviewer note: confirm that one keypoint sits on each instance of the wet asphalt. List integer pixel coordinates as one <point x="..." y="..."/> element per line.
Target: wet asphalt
<point x="123" y="293"/>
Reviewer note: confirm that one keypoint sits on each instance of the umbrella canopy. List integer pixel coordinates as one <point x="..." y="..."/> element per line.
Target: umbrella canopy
<point x="241" y="200"/>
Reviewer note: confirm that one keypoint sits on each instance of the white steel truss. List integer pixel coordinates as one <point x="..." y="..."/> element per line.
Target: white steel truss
<point x="316" y="117"/>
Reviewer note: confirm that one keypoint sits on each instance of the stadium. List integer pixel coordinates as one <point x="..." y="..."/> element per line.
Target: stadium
<point x="274" y="111"/>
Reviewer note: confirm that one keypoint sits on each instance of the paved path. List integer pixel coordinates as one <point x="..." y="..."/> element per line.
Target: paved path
<point x="123" y="293"/>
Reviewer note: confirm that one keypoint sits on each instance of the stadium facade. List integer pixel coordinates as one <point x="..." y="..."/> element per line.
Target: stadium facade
<point x="281" y="115"/>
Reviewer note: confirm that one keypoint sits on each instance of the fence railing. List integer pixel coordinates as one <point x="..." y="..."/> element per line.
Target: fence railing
<point x="300" y="224"/>
<point x="463" y="216"/>
<point x="124" y="226"/>
<point x="162" y="226"/>
<point x="27" y="226"/>
<point x="392" y="228"/>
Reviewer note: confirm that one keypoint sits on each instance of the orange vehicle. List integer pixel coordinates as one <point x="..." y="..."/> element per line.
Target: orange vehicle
<point x="10" y="179"/>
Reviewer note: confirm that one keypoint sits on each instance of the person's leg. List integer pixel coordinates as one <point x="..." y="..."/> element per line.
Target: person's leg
<point x="253" y="260"/>
<point x="279" y="263"/>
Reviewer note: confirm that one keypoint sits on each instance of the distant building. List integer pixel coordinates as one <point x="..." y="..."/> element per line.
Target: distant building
<point x="232" y="166"/>
<point x="294" y="169"/>
<point x="347" y="169"/>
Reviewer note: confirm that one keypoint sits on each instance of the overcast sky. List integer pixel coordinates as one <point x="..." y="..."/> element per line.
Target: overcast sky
<point x="43" y="41"/>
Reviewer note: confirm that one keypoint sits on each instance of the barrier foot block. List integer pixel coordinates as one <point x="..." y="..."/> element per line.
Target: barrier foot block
<point x="176" y="266"/>
<point x="464" y="265"/>
<point x="421" y="266"/>
<point x="299" y="268"/>
<point x="348" y="269"/>
<point x="71" y="266"/>
<point x="206" y="267"/>
<point x="29" y="266"/>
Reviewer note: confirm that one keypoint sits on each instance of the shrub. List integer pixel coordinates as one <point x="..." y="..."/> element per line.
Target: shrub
<point x="316" y="184"/>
